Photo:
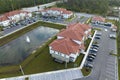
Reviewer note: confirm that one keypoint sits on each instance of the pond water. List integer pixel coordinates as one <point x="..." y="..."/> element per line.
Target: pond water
<point x="19" y="49"/>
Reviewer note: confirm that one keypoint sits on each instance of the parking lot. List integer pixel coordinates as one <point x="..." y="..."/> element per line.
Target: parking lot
<point x="18" y="25"/>
<point x="76" y="18"/>
<point x="104" y="65"/>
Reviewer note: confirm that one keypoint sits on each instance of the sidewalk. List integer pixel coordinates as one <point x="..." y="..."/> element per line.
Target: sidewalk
<point x="67" y="74"/>
<point x="86" y="53"/>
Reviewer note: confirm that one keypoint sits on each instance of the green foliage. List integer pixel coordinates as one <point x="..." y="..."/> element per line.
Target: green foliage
<point x="114" y="2"/>
<point x="87" y="42"/>
<point x="117" y="23"/>
<point x="1" y="28"/>
<point x="8" y="5"/>
<point x="86" y="71"/>
<point x="89" y="6"/>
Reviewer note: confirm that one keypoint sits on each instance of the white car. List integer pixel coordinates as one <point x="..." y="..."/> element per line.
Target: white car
<point x="112" y="36"/>
<point x="98" y="34"/>
<point x="106" y="30"/>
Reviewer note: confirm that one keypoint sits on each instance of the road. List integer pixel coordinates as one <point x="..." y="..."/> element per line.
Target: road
<point x="105" y="65"/>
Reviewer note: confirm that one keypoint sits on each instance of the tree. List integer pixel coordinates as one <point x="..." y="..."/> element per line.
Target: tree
<point x="9" y="5"/>
<point x="89" y="6"/>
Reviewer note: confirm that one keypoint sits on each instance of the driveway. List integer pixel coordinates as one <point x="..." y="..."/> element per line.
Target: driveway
<point x="105" y="65"/>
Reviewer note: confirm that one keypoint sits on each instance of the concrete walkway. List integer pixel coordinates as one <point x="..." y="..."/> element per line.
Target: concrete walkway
<point x="67" y="74"/>
<point x="86" y="53"/>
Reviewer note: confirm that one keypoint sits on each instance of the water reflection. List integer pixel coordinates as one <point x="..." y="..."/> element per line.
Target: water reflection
<point x="17" y="50"/>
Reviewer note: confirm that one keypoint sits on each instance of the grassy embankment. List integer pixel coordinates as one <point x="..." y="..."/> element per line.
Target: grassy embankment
<point x="118" y="47"/>
<point x="39" y="61"/>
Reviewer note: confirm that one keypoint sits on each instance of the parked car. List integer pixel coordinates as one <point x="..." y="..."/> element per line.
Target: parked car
<point x="96" y="45"/>
<point x="98" y="34"/>
<point x="112" y="36"/>
<point x="91" y="56"/>
<point x="97" y="37"/>
<point x="90" y="59"/>
<point x="108" y="24"/>
<point x="89" y="65"/>
<point x="93" y="51"/>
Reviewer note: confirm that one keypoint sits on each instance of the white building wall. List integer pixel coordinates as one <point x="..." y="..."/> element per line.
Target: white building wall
<point x="29" y="14"/>
<point x="67" y="15"/>
<point x="5" y="23"/>
<point x="43" y="13"/>
<point x="58" y="55"/>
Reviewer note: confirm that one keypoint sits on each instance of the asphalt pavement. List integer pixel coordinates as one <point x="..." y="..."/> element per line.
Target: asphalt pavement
<point x="105" y="65"/>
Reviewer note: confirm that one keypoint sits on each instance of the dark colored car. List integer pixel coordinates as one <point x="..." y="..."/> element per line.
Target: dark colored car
<point x="89" y="65"/>
<point x="96" y="45"/>
<point x="97" y="37"/>
<point x="93" y="54"/>
<point x="90" y="59"/>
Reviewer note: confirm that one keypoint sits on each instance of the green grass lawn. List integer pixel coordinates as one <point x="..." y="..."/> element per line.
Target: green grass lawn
<point x="44" y="63"/>
<point x="97" y="29"/>
<point x="118" y="49"/>
<point x="92" y="32"/>
<point x="118" y="45"/>
<point x="88" y="21"/>
<point x="87" y="42"/>
<point x="85" y="71"/>
<point x="109" y="20"/>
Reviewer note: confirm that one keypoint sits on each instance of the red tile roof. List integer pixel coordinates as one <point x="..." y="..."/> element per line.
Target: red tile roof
<point x="8" y="14"/>
<point x="66" y="46"/>
<point x="79" y="26"/>
<point x="74" y="31"/>
<point x="67" y="12"/>
<point x="57" y="9"/>
<point x="3" y="18"/>
<point x="62" y="10"/>
<point x="98" y="18"/>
